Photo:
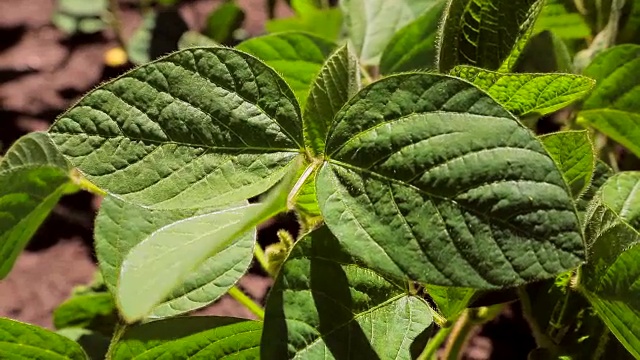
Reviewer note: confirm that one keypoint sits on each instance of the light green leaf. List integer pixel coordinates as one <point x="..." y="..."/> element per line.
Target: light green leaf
<point x="573" y="153"/>
<point x="528" y="94"/>
<point x="120" y="226"/>
<point x="613" y="108"/>
<point x="33" y="177"/>
<point x="223" y="21"/>
<point x="414" y="46"/>
<point x="489" y="34"/>
<point x="23" y="341"/>
<point x="199" y="128"/>
<point x="295" y="55"/>
<point x="451" y="301"/>
<point x="337" y="82"/>
<point x="306" y="202"/>
<point x="158" y="264"/>
<point x="325" y="305"/>
<point x="198" y="337"/>
<point x="422" y="182"/>
<point x="194" y="39"/>
<point x="158" y="35"/>
<point x="561" y="17"/>
<point x="372" y="23"/>
<point x="325" y="23"/>
<point x="95" y="311"/>
<point x="601" y="173"/>
<point x="556" y="59"/>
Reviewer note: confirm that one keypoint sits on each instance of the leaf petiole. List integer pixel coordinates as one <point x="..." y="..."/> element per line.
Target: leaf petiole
<point x="247" y="302"/>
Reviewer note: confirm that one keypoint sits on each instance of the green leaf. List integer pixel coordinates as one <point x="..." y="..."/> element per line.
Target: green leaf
<point x="623" y="320"/>
<point x="429" y="178"/>
<point x="194" y="39"/>
<point x="372" y="23"/>
<point x="306" y="201"/>
<point x="601" y="173"/>
<point x="337" y="82"/>
<point x="198" y="337"/>
<point x="94" y="344"/>
<point x="556" y="59"/>
<point x="120" y="226"/>
<point x="613" y="108"/>
<point x="95" y="311"/>
<point x="450" y="301"/>
<point x="23" y="341"/>
<point x="630" y="29"/>
<point x="325" y="23"/>
<point x="561" y="17"/>
<point x="573" y="153"/>
<point x="414" y="46"/>
<point x="223" y="21"/>
<point x="489" y="34"/>
<point x="159" y="263"/>
<point x="325" y="305"/>
<point x="158" y="35"/>
<point x="295" y="55"/>
<point x="199" y="128"/>
<point x="528" y="94"/>
<point x="33" y="177"/>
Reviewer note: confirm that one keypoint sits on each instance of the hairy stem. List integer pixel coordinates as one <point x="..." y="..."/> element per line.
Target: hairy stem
<point x="247" y="302"/>
<point x="117" y="334"/>
<point x="459" y="336"/>
<point x="258" y="253"/>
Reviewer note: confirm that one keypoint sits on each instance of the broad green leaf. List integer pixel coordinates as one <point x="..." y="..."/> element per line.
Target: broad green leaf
<point x="158" y="35"/>
<point x="120" y="226"/>
<point x="489" y="34"/>
<point x="325" y="305"/>
<point x="337" y="81"/>
<point x="414" y="46"/>
<point x="450" y="301"/>
<point x="295" y="55"/>
<point x="95" y="311"/>
<point x="306" y="202"/>
<point x="223" y="21"/>
<point x="325" y="23"/>
<point x="601" y="173"/>
<point x="34" y="148"/>
<point x="159" y="263"/>
<point x="23" y="341"/>
<point x="372" y="23"/>
<point x="573" y="153"/>
<point x="611" y="224"/>
<point x="199" y="128"/>
<point x="613" y="107"/>
<point x="528" y="94"/>
<point x="33" y="177"/>
<point x="193" y="338"/>
<point x="622" y="319"/>
<point x="429" y="178"/>
<point x="556" y="59"/>
<point x="561" y="17"/>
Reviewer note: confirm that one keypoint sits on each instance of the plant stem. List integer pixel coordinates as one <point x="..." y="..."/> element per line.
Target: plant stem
<point x="460" y="332"/>
<point x="117" y="334"/>
<point x="258" y="253"/>
<point x="365" y="74"/>
<point x="246" y="301"/>
<point x="542" y="340"/>
<point x="434" y="343"/>
<point x="85" y="184"/>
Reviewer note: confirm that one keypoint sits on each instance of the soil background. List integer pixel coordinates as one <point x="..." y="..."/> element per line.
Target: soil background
<point x="42" y="72"/>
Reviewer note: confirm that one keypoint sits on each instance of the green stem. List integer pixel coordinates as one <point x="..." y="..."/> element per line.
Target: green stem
<point x="460" y="332"/>
<point x="430" y="351"/>
<point x="246" y="301"/>
<point x="260" y="256"/>
<point x="117" y="334"/>
<point x="85" y="184"/>
<point x="542" y="340"/>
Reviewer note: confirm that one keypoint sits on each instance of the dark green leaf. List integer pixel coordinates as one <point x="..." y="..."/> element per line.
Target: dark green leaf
<point x="429" y="178"/>
<point x="556" y="59"/>
<point x="295" y="55"/>
<point x="223" y="21"/>
<point x="200" y="128"/>
<point x="95" y="311"/>
<point x="94" y="344"/>
<point x="325" y="305"/>
<point x="450" y="301"/>
<point x="21" y="341"/>
<point x="193" y="338"/>
<point x="489" y="34"/>
<point x="414" y="46"/>
<point x="527" y="94"/>
<point x="158" y="35"/>
<point x="337" y="82"/>
<point x="573" y="152"/>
